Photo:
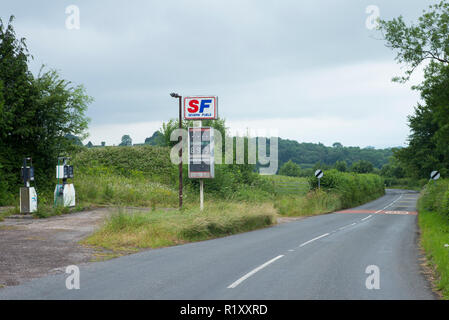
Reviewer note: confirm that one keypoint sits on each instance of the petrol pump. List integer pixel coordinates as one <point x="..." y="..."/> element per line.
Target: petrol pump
<point x="64" y="192"/>
<point x="28" y="195"/>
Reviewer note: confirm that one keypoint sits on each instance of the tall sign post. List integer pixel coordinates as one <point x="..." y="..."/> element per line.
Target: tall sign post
<point x="175" y="95"/>
<point x="319" y="174"/>
<point x="201" y="139"/>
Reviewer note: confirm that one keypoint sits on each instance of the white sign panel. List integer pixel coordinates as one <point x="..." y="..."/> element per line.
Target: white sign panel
<point x="319" y="174"/>
<point x="200" y="108"/>
<point x="435" y="175"/>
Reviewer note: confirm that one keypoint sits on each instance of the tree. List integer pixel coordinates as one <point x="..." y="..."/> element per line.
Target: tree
<point x="362" y="166"/>
<point x="37" y="113"/>
<point x="428" y="143"/>
<point x="337" y="145"/>
<point x="290" y="169"/>
<point x="428" y="40"/>
<point x="157" y="139"/>
<point x="341" y="166"/>
<point x="126" y="141"/>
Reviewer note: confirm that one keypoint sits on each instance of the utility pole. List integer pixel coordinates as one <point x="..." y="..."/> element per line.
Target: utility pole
<point x="175" y="95"/>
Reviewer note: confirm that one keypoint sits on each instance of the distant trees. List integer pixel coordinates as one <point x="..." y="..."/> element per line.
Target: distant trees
<point x="290" y="169"/>
<point x="341" y="166"/>
<point x="126" y="141"/>
<point x="362" y="166"/>
<point x="428" y="40"/>
<point x="157" y="139"/>
<point x="308" y="154"/>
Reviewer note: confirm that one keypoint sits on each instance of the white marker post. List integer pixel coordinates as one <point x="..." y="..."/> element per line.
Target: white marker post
<point x="319" y="174"/>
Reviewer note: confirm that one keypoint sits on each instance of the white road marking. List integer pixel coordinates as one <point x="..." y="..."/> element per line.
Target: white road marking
<point x="307" y="242"/>
<point x="367" y="217"/>
<point x="249" y="274"/>
<point x="389" y="204"/>
<point x="344" y="227"/>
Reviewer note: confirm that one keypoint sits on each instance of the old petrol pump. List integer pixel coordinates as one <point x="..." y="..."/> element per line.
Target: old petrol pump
<point x="64" y="192"/>
<point x="28" y="195"/>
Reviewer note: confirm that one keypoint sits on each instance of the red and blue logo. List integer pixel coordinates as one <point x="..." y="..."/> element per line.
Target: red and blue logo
<point x="200" y="108"/>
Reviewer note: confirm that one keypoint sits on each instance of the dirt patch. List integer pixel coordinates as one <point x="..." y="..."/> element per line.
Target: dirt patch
<point x="289" y="219"/>
<point x="32" y="248"/>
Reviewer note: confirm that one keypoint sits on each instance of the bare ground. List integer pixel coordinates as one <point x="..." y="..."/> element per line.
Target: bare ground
<point x="31" y="248"/>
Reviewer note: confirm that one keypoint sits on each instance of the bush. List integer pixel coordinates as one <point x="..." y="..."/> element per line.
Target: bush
<point x="354" y="189"/>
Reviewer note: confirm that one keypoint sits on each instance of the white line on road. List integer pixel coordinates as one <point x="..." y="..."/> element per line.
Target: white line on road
<point x="389" y="204"/>
<point x="344" y="227"/>
<point x="249" y="274"/>
<point x="367" y="217"/>
<point x="307" y="242"/>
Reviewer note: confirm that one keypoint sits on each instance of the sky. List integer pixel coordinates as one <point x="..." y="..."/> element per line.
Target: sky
<point x="313" y="71"/>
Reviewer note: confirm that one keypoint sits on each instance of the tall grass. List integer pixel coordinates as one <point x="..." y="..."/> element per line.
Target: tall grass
<point x="124" y="230"/>
<point x="433" y="207"/>
<point x="114" y="189"/>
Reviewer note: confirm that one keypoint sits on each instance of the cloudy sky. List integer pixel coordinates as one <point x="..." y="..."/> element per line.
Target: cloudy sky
<point x="311" y="70"/>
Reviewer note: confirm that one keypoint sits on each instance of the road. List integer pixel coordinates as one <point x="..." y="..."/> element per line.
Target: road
<point x="321" y="257"/>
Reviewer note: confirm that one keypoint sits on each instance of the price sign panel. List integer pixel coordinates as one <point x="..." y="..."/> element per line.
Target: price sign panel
<point x="201" y="153"/>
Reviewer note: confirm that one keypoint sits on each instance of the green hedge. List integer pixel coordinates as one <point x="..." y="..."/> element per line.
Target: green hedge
<point x="354" y="189"/>
<point x="436" y="197"/>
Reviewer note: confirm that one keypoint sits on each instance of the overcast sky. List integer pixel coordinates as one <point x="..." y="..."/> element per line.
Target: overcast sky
<point x="311" y="70"/>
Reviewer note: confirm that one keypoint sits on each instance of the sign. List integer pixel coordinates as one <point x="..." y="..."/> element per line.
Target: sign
<point x="201" y="153"/>
<point x="435" y="175"/>
<point x="319" y="174"/>
<point x="200" y="108"/>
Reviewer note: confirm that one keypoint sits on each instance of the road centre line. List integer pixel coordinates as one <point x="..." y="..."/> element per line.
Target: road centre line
<point x="252" y="272"/>
<point x="344" y="227"/>
<point x="307" y="242"/>
<point x="389" y="204"/>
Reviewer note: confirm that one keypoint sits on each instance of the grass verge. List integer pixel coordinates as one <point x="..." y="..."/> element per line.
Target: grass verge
<point x="433" y="221"/>
<point x="124" y="231"/>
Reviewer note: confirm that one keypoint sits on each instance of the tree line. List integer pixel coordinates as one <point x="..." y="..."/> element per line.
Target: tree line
<point x="37" y="113"/>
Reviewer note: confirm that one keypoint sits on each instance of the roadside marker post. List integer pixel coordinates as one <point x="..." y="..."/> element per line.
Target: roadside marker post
<point x="319" y="174"/>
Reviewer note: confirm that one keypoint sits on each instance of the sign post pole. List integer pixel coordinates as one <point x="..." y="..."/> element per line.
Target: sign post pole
<point x="201" y="194"/>
<point x="199" y="124"/>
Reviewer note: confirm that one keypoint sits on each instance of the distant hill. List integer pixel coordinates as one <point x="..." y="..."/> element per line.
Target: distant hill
<point x="308" y="154"/>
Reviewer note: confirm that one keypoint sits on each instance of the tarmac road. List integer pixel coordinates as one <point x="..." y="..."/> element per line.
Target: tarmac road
<point x="321" y="257"/>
